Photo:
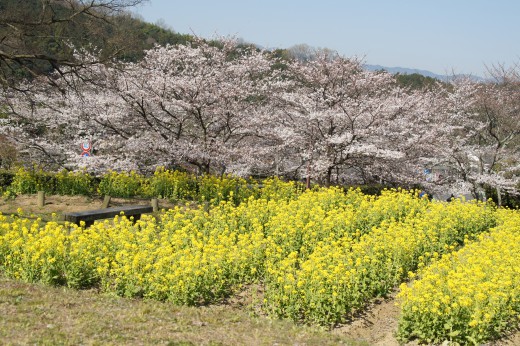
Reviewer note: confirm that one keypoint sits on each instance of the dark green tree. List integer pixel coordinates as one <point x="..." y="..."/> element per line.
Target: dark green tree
<point x="416" y="81"/>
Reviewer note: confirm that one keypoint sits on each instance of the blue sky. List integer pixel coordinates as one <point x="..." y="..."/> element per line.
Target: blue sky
<point x="436" y="35"/>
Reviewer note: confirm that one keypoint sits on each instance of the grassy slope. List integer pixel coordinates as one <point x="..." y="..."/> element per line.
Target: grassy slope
<point x="37" y="314"/>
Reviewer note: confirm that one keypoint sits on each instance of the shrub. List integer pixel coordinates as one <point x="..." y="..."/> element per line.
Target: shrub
<point x="275" y="189"/>
<point x="32" y="181"/>
<point x="174" y="185"/>
<point x="74" y="183"/>
<point x="6" y="178"/>
<point x="226" y="188"/>
<point x="120" y="184"/>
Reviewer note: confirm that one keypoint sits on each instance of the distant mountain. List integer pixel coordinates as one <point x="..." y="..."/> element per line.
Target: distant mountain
<point x="404" y="70"/>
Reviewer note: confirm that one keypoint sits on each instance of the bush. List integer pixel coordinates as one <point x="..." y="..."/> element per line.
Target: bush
<point x="174" y="185"/>
<point x="121" y="184"/>
<point x="276" y="189"/>
<point x="226" y="188"/>
<point x="6" y="178"/>
<point x="74" y="183"/>
<point x="32" y="181"/>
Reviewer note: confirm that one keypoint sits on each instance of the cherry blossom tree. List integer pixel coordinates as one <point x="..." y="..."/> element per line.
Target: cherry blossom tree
<point x="198" y="102"/>
<point x="477" y="136"/>
<point x="48" y="124"/>
<point x="187" y="104"/>
<point x="337" y="116"/>
<point x="414" y="133"/>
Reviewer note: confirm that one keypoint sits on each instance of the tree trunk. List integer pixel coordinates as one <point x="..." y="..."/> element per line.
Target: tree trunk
<point x="328" y="178"/>
<point x="308" y="180"/>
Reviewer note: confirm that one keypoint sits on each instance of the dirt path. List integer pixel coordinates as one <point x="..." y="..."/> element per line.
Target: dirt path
<point x="376" y="325"/>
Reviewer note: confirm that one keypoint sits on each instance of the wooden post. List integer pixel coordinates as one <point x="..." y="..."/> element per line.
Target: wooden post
<point x="106" y="201"/>
<point x="41" y="199"/>
<point x="155" y="204"/>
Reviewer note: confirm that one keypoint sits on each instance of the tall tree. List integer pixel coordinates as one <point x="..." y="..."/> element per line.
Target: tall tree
<point x="335" y="115"/>
<point x="200" y="100"/>
<point x="479" y="135"/>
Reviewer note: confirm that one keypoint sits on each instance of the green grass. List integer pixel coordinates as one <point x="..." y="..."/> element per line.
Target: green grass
<point x="44" y="315"/>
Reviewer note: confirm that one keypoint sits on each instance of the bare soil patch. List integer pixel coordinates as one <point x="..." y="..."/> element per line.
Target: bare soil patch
<point x="61" y="204"/>
<point x="53" y="204"/>
<point x="376" y="324"/>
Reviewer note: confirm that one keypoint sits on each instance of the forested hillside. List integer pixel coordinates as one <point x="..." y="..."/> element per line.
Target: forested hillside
<point x="37" y="36"/>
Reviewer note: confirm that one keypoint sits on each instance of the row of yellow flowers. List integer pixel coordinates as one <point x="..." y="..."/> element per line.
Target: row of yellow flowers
<point x="320" y="256"/>
<point x="469" y="296"/>
<point x="325" y="281"/>
<point x="164" y="183"/>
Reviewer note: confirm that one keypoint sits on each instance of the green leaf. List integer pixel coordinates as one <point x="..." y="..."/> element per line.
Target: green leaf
<point x="454" y="333"/>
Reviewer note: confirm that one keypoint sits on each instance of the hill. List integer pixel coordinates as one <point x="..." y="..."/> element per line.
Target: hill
<point x="38" y="36"/>
<point x="426" y="73"/>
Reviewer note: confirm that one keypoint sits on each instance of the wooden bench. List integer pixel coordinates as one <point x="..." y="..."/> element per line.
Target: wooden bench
<point x="89" y="216"/>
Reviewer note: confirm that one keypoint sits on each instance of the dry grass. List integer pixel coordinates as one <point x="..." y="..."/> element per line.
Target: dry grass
<point x="43" y="315"/>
